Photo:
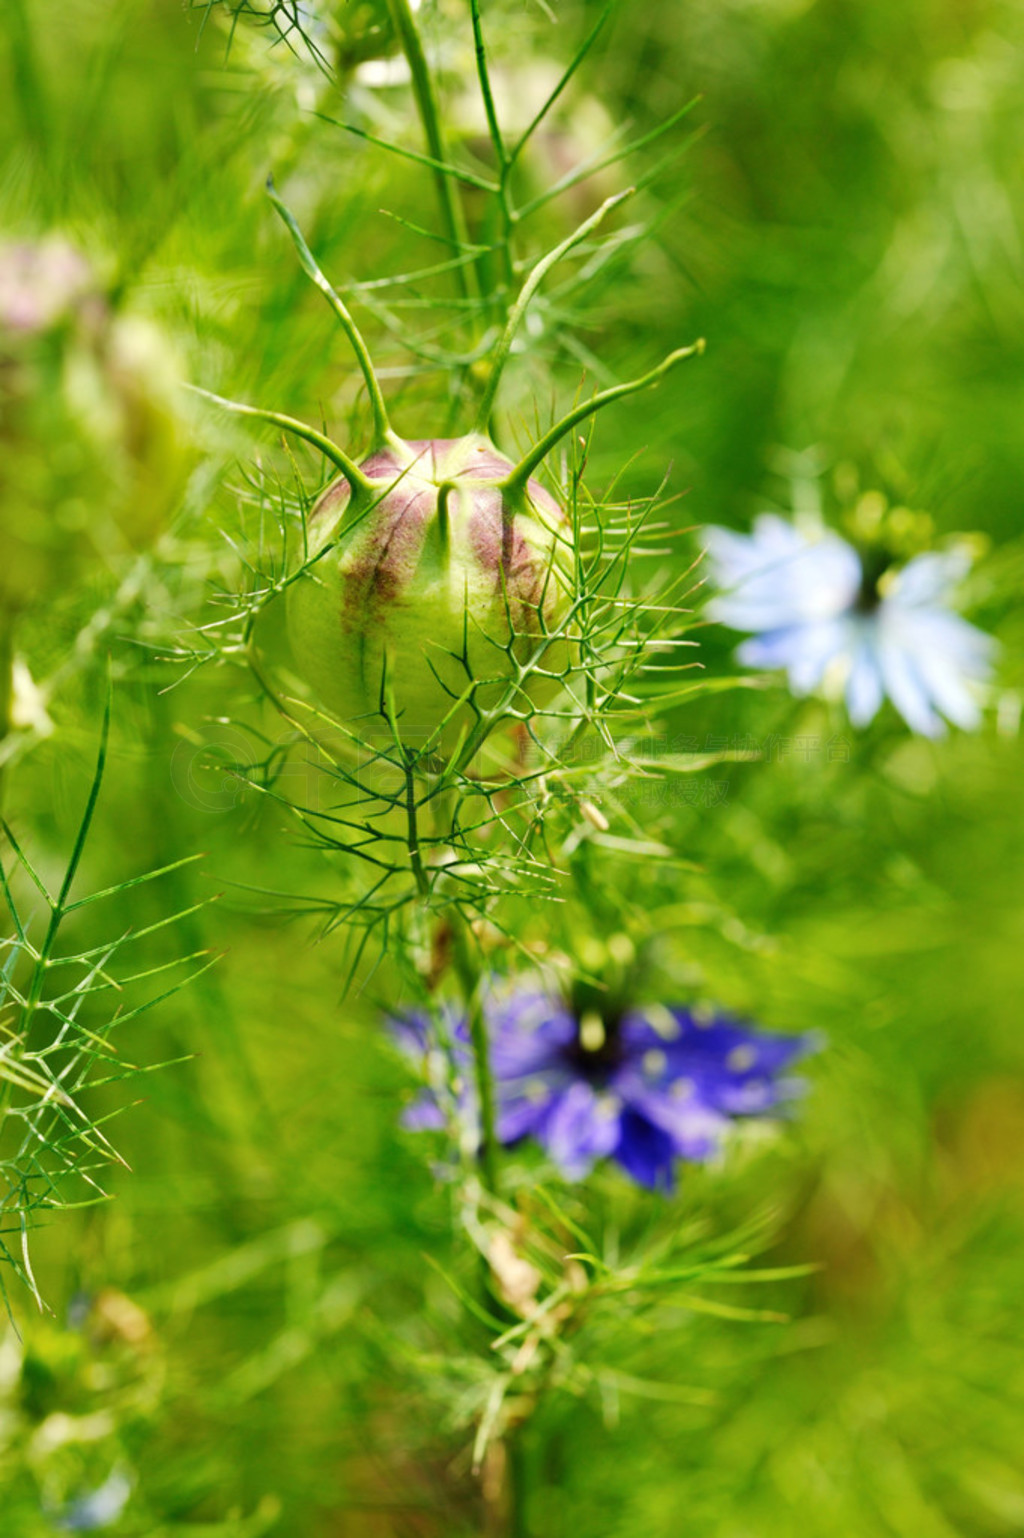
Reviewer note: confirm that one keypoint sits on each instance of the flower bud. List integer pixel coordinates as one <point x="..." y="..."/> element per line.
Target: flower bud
<point x="429" y="587"/>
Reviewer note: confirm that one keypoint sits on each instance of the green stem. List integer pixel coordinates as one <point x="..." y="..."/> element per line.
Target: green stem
<point x="59" y="904"/>
<point x="542" y="112"/>
<point x="501" y="155"/>
<point x="526" y="466"/>
<point x="29" y="91"/>
<point x="430" y="116"/>
<point x="485" y="87"/>
<point x="471" y="980"/>
<point x="515" y="1484"/>
<point x="412" y="830"/>
<point x="361" y="485"/>
<point x="6" y="684"/>
<point x="381" y="426"/>
<point x="527" y="292"/>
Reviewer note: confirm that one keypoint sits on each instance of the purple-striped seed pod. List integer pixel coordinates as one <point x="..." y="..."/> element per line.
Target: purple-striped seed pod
<point x="429" y="590"/>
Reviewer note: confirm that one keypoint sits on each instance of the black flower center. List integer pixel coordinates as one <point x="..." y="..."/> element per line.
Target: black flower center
<point x="874" y="563"/>
<point x="596" y="1050"/>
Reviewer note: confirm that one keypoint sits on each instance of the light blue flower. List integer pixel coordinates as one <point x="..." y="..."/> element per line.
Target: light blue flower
<point x="819" y="612"/>
<point x="98" y="1508"/>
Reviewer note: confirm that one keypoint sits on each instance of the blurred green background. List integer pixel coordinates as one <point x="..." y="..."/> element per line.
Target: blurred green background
<point x="250" y="1327"/>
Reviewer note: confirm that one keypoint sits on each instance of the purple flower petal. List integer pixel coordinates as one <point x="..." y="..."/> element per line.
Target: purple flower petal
<point x="523" y="1109"/>
<point x="528" y="1035"/>
<point x="664" y="1085"/>
<point x="646" y="1153"/>
<point x="583" y="1126"/>
<point x="681" y="1112"/>
<point x="423" y="1115"/>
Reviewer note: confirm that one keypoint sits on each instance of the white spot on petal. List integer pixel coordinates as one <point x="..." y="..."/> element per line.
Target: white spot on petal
<point x="654" y="1063"/>
<point x="741" y="1059"/>
<point x="663" y="1021"/>
<point x="592" y="1032"/>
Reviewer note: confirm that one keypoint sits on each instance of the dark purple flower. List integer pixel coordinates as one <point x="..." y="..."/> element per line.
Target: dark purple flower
<point x="645" y="1087"/>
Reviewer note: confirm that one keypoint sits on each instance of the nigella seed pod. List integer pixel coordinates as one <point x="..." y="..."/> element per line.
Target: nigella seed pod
<point x="436" y="598"/>
<point x="429" y="589"/>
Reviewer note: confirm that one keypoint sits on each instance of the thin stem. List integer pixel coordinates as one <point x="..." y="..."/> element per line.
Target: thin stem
<point x="472" y="981"/>
<point x="6" y="683"/>
<point x="501" y="155"/>
<point x="441" y="167"/>
<point x="526" y="466"/>
<point x="59" y="905"/>
<point x="485" y="86"/>
<point x="412" y="830"/>
<point x="515" y="1484"/>
<point x="593" y="166"/>
<point x="430" y="116"/>
<point x="581" y="53"/>
<point x="527" y="292"/>
<point x="29" y="89"/>
<point x="381" y="426"/>
<point x="360" y="484"/>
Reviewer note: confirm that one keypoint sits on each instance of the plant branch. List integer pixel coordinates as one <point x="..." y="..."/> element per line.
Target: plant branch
<point x="527" y="465"/>
<point x="360" y="484"/>
<point x="381" y="426"/>
<point x="6" y="682"/>
<point x="430" y="117"/>
<point x="471" y="982"/>
<point x="527" y="292"/>
<point x="501" y="155"/>
<point x="485" y="87"/>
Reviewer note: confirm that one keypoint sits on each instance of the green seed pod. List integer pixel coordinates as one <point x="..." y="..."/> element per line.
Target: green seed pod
<point x="429" y="589"/>
<point x="437" y="597"/>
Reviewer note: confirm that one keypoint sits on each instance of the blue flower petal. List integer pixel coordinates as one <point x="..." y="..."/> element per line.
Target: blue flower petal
<point x="864" y="689"/>
<point x="526" y="1105"/>
<point x="951" y="658"/>
<point x="646" y="1153"/>
<point x="906" y="688"/>
<point x="720" y="1044"/>
<point x="100" y="1508"/>
<point x="805" y="651"/>
<point x="685" y="1115"/>
<point x="929" y="579"/>
<point x="528" y="1035"/>
<point x="411" y="1032"/>
<point x="583" y="1127"/>
<point x="777" y="577"/>
<point x="423" y="1115"/>
<point x="801" y="599"/>
<point x="666" y="1089"/>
